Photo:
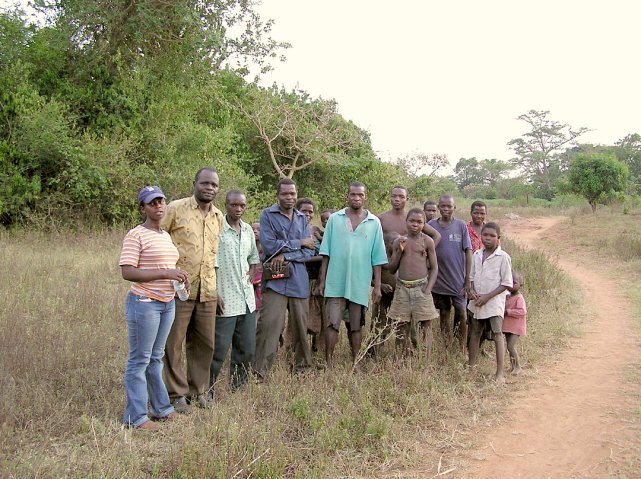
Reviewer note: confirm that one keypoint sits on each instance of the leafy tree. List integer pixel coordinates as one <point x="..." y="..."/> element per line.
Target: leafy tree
<point x="431" y="187"/>
<point x="493" y="170"/>
<point x="467" y="172"/>
<point x="296" y="130"/>
<point x="597" y="177"/>
<point x="537" y="149"/>
<point x="628" y="150"/>
<point x="199" y="30"/>
<point x="480" y="191"/>
<point x="513" y="188"/>
<point x="418" y="164"/>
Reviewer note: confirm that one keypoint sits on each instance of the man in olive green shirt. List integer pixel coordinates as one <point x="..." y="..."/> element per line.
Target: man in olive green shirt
<point x="195" y="225"/>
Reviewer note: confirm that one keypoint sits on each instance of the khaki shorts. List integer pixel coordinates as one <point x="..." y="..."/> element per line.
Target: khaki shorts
<point x="495" y="324"/>
<point x="411" y="305"/>
<point x="334" y="309"/>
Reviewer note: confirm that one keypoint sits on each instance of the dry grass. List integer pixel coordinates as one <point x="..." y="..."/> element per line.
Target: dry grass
<point x="64" y="346"/>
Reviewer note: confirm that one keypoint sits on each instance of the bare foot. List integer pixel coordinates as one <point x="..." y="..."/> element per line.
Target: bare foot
<point x="516" y="370"/>
<point x="499" y="378"/>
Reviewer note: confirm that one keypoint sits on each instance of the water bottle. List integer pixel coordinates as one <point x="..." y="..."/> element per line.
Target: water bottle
<point x="179" y="287"/>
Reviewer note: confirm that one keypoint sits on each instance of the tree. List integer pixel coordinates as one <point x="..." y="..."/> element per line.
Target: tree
<point x="493" y="170"/>
<point x="467" y="172"/>
<point x="597" y="177"/>
<point x="514" y="188"/>
<point x="430" y="187"/>
<point x="628" y="151"/>
<point x="296" y="130"/>
<point x="536" y="150"/>
<point x="419" y="164"/>
<point x="199" y="31"/>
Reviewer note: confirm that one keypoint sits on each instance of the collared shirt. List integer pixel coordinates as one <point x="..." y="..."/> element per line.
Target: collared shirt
<point x="488" y="275"/>
<point x="235" y="254"/>
<point x="353" y="253"/>
<point x="475" y="238"/>
<point x="197" y="241"/>
<point x="279" y="234"/>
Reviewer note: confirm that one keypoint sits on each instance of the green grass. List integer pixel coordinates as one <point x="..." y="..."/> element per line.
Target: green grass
<point x="64" y="345"/>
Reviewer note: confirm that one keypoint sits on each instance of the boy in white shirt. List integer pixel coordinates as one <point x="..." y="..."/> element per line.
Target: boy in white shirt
<point x="491" y="277"/>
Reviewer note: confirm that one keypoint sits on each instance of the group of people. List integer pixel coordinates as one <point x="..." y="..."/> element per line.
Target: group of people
<point x="239" y="283"/>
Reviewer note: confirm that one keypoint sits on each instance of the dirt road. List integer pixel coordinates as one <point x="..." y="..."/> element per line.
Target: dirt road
<point x="573" y="421"/>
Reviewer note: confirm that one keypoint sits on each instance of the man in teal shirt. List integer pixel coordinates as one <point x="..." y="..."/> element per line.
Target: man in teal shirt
<point x="352" y="251"/>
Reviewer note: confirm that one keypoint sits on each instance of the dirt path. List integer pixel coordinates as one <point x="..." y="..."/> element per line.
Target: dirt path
<point x="570" y="422"/>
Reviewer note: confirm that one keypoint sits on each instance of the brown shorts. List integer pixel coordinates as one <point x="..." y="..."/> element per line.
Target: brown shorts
<point x="495" y="324"/>
<point x="334" y="309"/>
<point x="411" y="305"/>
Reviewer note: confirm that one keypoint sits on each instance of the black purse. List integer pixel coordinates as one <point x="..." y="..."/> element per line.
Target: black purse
<point x="270" y="274"/>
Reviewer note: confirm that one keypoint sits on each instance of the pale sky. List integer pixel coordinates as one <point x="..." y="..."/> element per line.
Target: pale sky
<point x="452" y="76"/>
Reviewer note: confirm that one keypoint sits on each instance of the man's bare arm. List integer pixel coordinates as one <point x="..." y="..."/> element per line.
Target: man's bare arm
<point x="432" y="233"/>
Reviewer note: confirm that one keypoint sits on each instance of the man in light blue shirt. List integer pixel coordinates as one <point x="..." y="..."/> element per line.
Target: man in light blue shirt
<point x="353" y="251"/>
<point x="236" y="326"/>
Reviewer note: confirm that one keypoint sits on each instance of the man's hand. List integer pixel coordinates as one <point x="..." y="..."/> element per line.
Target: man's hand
<point x="482" y="299"/>
<point x="376" y="295"/>
<point x="220" y="306"/>
<point x="308" y="243"/>
<point x="277" y="263"/>
<point x="386" y="288"/>
<point x="399" y="244"/>
<point x="469" y="290"/>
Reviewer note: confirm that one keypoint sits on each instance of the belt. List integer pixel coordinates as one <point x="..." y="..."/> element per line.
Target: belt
<point x="412" y="284"/>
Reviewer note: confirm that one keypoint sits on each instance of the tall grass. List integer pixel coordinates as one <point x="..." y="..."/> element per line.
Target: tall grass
<point x="64" y="344"/>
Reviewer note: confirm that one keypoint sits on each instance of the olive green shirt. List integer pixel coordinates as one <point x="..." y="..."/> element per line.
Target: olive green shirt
<point x="196" y="238"/>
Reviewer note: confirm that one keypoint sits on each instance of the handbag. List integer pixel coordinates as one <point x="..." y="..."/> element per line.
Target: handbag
<point x="269" y="274"/>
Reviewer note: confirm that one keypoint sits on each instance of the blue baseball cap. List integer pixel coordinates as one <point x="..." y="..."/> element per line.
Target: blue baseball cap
<point x="148" y="194"/>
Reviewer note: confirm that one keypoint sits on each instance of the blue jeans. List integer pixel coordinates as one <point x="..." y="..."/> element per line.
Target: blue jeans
<point x="148" y="325"/>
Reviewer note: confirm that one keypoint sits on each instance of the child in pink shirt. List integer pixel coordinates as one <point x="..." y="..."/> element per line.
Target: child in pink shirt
<point x="514" y="322"/>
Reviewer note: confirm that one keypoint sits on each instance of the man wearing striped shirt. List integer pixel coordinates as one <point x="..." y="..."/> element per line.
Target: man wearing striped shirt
<point x="237" y="260"/>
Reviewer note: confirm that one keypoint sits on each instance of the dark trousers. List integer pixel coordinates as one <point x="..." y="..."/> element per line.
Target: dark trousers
<point x="270" y="326"/>
<point x="194" y="326"/>
<point x="239" y="332"/>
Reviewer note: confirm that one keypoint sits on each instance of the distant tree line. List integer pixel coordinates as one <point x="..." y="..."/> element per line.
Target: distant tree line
<point x="550" y="160"/>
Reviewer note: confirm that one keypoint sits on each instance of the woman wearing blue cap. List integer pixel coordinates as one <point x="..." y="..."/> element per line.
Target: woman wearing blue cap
<point x="148" y="259"/>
